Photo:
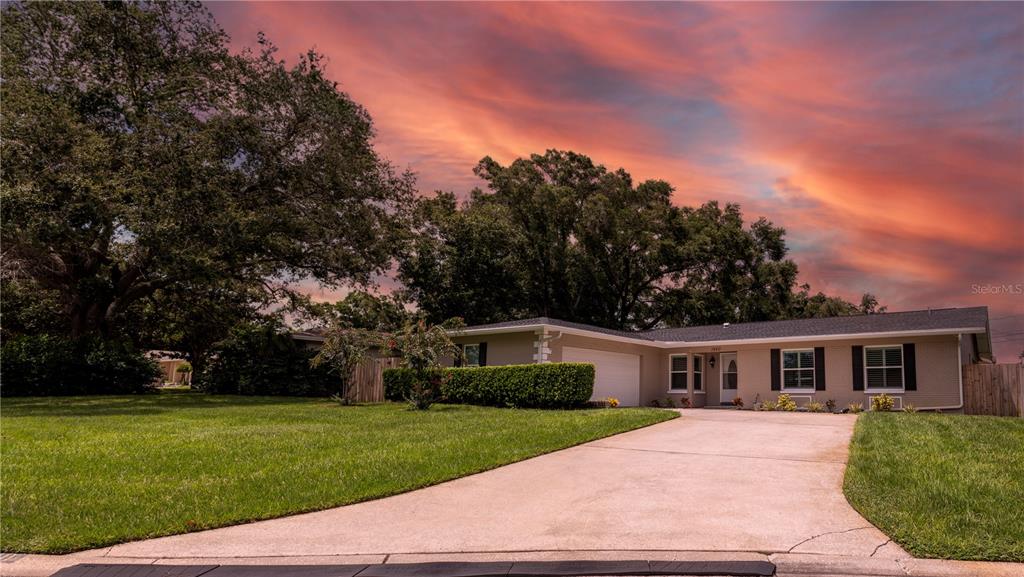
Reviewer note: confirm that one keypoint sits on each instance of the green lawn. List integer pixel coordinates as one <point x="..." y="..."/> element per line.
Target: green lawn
<point x="88" y="472"/>
<point x="947" y="486"/>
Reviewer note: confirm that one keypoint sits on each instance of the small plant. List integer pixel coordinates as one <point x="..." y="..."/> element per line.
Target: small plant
<point x="786" y="403"/>
<point x="767" y="405"/>
<point x="341" y="399"/>
<point x="882" y="402"/>
<point x="685" y="402"/>
<point x="909" y="408"/>
<point x="854" y="408"/>
<point x="737" y="402"/>
<point x="655" y="403"/>
<point x="831" y="405"/>
<point x="669" y="403"/>
<point x="815" y="407"/>
<point x="611" y="402"/>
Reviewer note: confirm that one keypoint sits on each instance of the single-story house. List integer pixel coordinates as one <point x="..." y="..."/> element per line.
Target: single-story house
<point x="914" y="356"/>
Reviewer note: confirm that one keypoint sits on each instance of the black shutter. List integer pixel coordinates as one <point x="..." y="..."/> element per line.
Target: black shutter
<point x="776" y="370"/>
<point x="858" y="368"/>
<point x="483" y="354"/>
<point x="819" y="368"/>
<point x="909" y="367"/>
<point x="458" y="355"/>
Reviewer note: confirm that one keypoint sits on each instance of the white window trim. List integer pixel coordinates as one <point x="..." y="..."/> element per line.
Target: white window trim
<point x="693" y="372"/>
<point x="903" y="370"/>
<point x="466" y="358"/>
<point x="685" y="389"/>
<point x="783" y="369"/>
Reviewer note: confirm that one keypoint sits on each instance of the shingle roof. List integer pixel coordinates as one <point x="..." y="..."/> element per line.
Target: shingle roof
<point x="908" y="321"/>
<point x="927" y="320"/>
<point x="558" y="323"/>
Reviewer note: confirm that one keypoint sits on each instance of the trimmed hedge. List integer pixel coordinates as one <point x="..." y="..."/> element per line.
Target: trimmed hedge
<point x="548" y="385"/>
<point x="43" y="365"/>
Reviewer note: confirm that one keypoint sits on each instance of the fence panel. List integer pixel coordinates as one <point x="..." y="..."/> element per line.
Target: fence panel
<point x="367" y="384"/>
<point x="994" y="390"/>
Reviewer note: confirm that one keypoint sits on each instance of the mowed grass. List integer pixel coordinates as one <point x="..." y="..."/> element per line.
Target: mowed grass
<point x="946" y="486"/>
<point x="87" y="472"/>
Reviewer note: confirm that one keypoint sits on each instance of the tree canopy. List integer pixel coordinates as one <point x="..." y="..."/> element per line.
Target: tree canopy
<point x="140" y="154"/>
<point x="558" y="235"/>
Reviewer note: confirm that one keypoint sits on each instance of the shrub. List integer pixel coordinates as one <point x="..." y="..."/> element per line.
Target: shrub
<point x="40" y="365"/>
<point x="260" y="360"/>
<point x="909" y="408"/>
<point x="854" y="408"/>
<point x="737" y="402"/>
<point x="612" y="402"/>
<point x="185" y="367"/>
<point x="882" y="402"/>
<point x="546" y="385"/>
<point x="669" y="402"/>
<point x="685" y="403"/>
<point x="785" y="403"/>
<point x="815" y="407"/>
<point x="421" y="347"/>
<point x="831" y="405"/>
<point x="767" y="405"/>
<point x="656" y="403"/>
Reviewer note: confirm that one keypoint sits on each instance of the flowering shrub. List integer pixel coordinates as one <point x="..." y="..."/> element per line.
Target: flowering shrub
<point x="785" y="403"/>
<point x="612" y="402"/>
<point x="882" y="402"/>
<point x="421" y="348"/>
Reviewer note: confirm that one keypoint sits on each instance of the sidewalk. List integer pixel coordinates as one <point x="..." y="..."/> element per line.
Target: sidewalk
<point x="521" y="563"/>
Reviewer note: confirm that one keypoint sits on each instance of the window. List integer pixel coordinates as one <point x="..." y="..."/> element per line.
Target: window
<point x="698" y="373"/>
<point x="883" y="367"/>
<point x="798" y="370"/>
<point x="471" y="354"/>
<point x="677" y="372"/>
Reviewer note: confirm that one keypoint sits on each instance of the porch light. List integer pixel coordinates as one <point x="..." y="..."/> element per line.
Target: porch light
<point x="711" y="361"/>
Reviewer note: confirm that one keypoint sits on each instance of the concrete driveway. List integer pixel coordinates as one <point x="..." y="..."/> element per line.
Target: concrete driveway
<point x="712" y="480"/>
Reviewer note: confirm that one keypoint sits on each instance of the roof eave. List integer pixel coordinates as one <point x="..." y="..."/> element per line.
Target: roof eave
<point x="536" y="327"/>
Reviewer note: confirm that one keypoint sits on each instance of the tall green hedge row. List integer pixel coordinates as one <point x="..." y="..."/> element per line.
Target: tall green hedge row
<point x="549" y="385"/>
<point x="41" y="365"/>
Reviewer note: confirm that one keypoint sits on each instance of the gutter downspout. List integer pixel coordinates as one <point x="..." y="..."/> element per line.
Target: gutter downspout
<point x="960" y="377"/>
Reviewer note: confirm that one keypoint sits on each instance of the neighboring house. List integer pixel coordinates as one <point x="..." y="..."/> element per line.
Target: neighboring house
<point x="916" y="356"/>
<point x="169" y="362"/>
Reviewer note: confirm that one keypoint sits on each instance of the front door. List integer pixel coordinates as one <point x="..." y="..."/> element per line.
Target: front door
<point x="730" y="378"/>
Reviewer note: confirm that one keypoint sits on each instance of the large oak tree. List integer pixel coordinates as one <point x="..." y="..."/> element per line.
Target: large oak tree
<point x="140" y="154"/>
<point x="558" y="235"/>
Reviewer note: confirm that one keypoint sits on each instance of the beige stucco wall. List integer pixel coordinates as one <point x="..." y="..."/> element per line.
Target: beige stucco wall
<point x="503" y="349"/>
<point x="938" y="371"/>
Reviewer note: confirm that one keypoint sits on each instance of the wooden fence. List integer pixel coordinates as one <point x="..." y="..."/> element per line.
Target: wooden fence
<point x="367" y="384"/>
<point x="994" y="390"/>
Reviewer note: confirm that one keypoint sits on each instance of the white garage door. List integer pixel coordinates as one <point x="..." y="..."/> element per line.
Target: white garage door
<point x="618" y="375"/>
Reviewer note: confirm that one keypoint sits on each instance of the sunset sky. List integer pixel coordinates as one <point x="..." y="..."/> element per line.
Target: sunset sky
<point x="887" y="138"/>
